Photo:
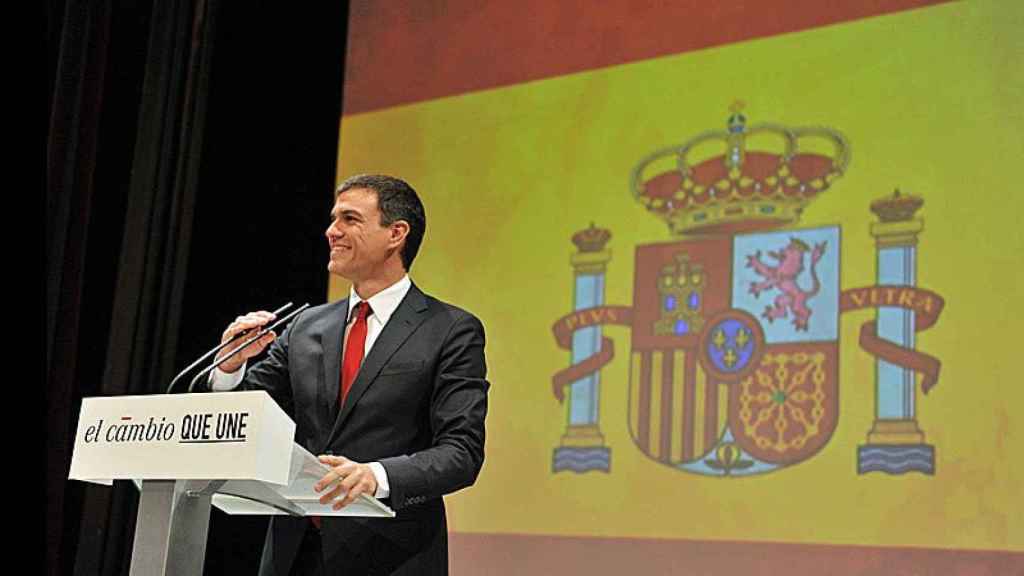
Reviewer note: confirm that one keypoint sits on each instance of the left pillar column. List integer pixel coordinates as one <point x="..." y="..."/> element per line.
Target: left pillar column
<point x="582" y="446"/>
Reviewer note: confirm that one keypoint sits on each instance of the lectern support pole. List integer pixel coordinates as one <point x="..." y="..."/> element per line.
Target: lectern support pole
<point x="170" y="533"/>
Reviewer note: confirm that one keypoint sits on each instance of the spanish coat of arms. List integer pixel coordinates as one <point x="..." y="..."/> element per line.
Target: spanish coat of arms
<point x="734" y="357"/>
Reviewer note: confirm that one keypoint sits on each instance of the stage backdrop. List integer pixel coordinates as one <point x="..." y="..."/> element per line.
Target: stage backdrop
<point x="750" y="274"/>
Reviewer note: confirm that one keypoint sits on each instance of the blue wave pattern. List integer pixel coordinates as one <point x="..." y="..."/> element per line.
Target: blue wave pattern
<point x="581" y="460"/>
<point x="894" y="459"/>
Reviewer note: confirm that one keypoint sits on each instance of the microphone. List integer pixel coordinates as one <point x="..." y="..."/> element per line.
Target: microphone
<point x="241" y="347"/>
<point x="216" y="349"/>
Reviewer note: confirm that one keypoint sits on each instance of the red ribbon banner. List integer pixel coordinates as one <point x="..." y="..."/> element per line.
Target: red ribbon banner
<point x="564" y="328"/>
<point x="927" y="306"/>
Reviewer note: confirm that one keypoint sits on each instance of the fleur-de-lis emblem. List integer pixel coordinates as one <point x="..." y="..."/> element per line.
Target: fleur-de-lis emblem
<point x="730" y="355"/>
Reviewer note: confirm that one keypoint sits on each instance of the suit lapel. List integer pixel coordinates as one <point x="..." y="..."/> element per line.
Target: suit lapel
<point x="406" y="318"/>
<point x="334" y="333"/>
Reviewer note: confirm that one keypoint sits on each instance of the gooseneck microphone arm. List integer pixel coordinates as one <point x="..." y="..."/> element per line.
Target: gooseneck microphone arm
<point x="242" y="346"/>
<point x="215" y="350"/>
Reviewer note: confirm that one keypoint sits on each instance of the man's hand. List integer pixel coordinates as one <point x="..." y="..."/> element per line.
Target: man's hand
<point x="251" y="321"/>
<point x="348" y="479"/>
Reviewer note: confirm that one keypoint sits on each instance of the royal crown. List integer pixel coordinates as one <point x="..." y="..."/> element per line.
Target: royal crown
<point x="743" y="188"/>
<point x="896" y="208"/>
<point x="591" y="239"/>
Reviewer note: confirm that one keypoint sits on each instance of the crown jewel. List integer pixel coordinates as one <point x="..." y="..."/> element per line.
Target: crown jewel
<point x="743" y="188"/>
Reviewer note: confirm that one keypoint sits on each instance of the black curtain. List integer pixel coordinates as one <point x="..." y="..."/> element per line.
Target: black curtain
<point x="190" y="163"/>
<point x="97" y="63"/>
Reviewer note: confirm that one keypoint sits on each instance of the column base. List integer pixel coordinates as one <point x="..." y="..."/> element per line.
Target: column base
<point x="896" y="447"/>
<point x="582" y="450"/>
<point x="583" y="436"/>
<point x="896" y="432"/>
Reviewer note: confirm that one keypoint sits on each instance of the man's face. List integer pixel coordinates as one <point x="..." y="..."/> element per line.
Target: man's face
<point x="359" y="244"/>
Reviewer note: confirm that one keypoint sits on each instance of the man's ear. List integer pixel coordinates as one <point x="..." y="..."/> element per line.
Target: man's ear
<point x="398" y="230"/>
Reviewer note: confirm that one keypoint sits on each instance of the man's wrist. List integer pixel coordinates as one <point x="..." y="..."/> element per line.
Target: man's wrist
<point x="383" y="488"/>
<point x="221" y="381"/>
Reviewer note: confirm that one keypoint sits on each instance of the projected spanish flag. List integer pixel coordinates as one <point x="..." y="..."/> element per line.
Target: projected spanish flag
<point x="750" y="274"/>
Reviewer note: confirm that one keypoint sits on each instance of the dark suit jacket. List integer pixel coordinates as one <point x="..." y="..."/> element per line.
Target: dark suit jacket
<point x="417" y="406"/>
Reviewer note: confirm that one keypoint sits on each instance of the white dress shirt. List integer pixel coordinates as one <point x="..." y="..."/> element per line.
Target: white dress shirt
<point x="382" y="305"/>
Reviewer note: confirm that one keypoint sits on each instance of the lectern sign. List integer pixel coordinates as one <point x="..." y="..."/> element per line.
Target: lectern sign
<point x="212" y="436"/>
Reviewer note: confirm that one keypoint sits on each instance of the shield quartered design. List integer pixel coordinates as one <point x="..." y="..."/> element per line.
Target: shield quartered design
<point x="734" y="361"/>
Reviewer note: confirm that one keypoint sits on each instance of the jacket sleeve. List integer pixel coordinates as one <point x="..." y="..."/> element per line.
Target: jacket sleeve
<point x="457" y="412"/>
<point x="271" y="374"/>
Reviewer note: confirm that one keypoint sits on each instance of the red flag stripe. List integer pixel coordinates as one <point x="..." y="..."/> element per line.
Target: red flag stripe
<point x="401" y="52"/>
<point x="667" y="380"/>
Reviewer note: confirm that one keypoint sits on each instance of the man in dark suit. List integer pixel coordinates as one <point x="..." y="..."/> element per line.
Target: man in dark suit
<point x="388" y="384"/>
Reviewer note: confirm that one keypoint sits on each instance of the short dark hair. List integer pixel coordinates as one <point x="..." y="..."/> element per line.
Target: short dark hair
<point x="397" y="201"/>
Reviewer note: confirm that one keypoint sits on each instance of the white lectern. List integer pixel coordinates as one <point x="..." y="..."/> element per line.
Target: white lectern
<point x="186" y="452"/>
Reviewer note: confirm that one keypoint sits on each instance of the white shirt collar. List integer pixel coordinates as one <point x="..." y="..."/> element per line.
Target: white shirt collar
<point x="383" y="303"/>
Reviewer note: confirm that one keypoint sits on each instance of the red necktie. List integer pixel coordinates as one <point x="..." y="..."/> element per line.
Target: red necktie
<point x="350" y="363"/>
<point x="354" y="350"/>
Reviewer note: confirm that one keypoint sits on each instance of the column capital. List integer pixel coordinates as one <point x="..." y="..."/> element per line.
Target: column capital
<point x="590" y="262"/>
<point x="903" y="233"/>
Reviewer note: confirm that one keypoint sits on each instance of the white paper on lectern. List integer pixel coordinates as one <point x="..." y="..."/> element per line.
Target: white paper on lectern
<point x="305" y="471"/>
